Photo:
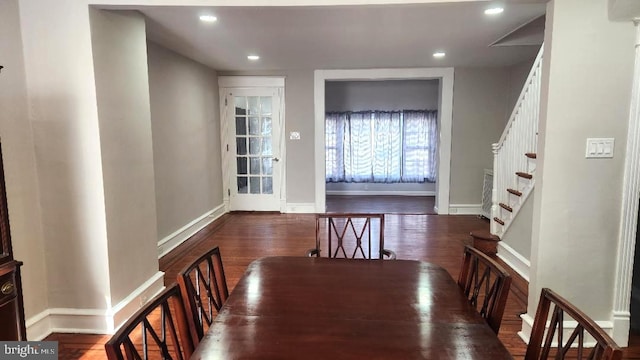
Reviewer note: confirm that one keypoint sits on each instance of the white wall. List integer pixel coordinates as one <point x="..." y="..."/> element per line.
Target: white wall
<point x="21" y="177"/>
<point x="479" y="117"/>
<point x="587" y="72"/>
<point x="64" y="121"/>
<point x="122" y="87"/>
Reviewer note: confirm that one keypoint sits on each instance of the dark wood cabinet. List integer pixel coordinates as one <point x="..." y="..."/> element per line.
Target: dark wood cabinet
<point x="12" y="324"/>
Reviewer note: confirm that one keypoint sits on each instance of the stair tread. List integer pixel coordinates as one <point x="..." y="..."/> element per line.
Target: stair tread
<point x="524" y="175"/>
<point x="506" y="207"/>
<point x="498" y="220"/>
<point x="484" y="235"/>
<point x="531" y="155"/>
<point x="514" y="192"/>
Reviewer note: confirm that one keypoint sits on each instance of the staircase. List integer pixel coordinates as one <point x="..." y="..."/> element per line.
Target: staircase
<point x="514" y="156"/>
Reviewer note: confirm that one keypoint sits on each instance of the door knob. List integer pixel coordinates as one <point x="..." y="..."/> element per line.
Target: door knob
<point x="276" y="159"/>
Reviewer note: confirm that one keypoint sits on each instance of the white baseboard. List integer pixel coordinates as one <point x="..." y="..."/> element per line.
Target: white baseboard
<point x="300" y="208"/>
<point x="380" y="192"/>
<point x="93" y="321"/>
<point x="181" y="235"/>
<point x="465" y="209"/>
<point x="568" y="326"/>
<point x="621" y="326"/>
<point x="38" y="326"/>
<point x="140" y="296"/>
<point x="517" y="262"/>
<point x="527" y="325"/>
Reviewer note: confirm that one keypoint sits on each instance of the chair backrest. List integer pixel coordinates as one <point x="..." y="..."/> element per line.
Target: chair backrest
<point x="157" y="330"/>
<point x="486" y="284"/>
<point x="350" y="236"/>
<point x="558" y="342"/>
<point x="204" y="289"/>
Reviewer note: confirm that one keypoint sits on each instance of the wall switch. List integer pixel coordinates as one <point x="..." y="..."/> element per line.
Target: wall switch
<point x="599" y="148"/>
<point x="294" y="135"/>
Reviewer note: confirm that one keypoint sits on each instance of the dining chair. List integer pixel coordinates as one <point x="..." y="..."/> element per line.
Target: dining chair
<point x="550" y="343"/>
<point x="350" y="236"/>
<point x="204" y="289"/>
<point x="157" y="330"/>
<point x="486" y="284"/>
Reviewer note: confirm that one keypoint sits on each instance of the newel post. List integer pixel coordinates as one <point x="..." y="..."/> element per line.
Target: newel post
<point x="494" y="191"/>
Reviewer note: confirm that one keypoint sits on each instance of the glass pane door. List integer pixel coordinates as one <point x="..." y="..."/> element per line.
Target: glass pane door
<point x="254" y="144"/>
<point x="253" y="169"/>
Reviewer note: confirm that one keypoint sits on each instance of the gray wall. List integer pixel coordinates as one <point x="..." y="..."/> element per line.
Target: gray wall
<point x="479" y="116"/>
<point x="381" y="95"/>
<point x="122" y="88"/>
<point x="517" y="74"/>
<point x="186" y="138"/>
<point x="21" y="177"/>
<point x="298" y="117"/>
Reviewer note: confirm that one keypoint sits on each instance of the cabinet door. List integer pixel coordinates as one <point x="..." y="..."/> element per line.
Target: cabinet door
<point x="6" y="253"/>
<point x="11" y="304"/>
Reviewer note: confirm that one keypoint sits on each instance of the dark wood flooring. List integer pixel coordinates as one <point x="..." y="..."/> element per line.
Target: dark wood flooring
<point x="384" y="204"/>
<point x="244" y="237"/>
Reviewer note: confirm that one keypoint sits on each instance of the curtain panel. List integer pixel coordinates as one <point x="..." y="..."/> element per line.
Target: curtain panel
<point x="381" y="146"/>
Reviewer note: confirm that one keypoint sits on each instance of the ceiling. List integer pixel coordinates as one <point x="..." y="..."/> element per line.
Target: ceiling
<point x="348" y="37"/>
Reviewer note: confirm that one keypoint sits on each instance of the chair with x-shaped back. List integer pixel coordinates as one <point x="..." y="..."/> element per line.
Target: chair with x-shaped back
<point x="551" y="340"/>
<point x="204" y="289"/>
<point x="159" y="330"/>
<point x="350" y="236"/>
<point x="486" y="284"/>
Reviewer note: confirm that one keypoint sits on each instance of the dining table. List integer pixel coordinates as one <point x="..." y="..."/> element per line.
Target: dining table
<point x="320" y="308"/>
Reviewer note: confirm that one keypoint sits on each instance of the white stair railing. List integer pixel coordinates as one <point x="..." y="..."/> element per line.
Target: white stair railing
<point x="520" y="137"/>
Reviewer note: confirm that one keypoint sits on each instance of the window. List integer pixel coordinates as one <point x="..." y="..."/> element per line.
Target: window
<point x="381" y="146"/>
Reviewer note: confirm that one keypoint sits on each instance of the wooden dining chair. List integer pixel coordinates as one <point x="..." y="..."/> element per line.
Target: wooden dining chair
<point x="351" y="236"/>
<point x="159" y="330"/>
<point x="486" y="284"/>
<point x="204" y="289"/>
<point x="556" y="342"/>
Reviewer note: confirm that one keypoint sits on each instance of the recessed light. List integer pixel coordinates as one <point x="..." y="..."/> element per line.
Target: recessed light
<point x="439" y="54"/>
<point x="253" y="57"/>
<point x="494" y="11"/>
<point x="208" y="18"/>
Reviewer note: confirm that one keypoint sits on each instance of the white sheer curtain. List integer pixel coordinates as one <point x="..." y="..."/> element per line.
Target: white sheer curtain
<point x="381" y="146"/>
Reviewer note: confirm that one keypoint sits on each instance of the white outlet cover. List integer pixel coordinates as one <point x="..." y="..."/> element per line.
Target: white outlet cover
<point x="294" y="135"/>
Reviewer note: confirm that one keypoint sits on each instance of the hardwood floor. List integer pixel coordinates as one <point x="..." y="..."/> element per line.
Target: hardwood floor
<point x="244" y="237"/>
<point x="385" y="204"/>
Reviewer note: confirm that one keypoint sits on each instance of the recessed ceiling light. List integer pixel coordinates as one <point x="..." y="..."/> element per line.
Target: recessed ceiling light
<point x="208" y="18"/>
<point x="253" y="57"/>
<point x="439" y="54"/>
<point x="494" y="11"/>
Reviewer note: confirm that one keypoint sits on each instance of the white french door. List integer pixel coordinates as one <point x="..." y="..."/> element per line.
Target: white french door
<point x="253" y="148"/>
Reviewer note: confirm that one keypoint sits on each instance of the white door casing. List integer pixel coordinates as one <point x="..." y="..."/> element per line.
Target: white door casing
<point x="252" y="116"/>
<point x="445" y="117"/>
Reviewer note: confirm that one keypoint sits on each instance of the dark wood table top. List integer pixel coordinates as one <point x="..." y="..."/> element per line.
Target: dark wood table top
<point x="317" y="308"/>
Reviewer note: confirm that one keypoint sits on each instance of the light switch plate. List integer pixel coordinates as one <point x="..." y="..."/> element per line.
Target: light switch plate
<point x="294" y="135"/>
<point x="599" y="148"/>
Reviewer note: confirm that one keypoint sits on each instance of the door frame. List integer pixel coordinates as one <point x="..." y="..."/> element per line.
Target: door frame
<point x="445" y="116"/>
<point x="251" y="82"/>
